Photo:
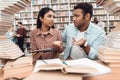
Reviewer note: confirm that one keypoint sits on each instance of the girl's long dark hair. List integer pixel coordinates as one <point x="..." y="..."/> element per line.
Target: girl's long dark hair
<point x="41" y="14"/>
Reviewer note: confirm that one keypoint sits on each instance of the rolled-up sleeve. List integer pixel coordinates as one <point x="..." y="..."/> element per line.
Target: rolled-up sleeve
<point x="99" y="41"/>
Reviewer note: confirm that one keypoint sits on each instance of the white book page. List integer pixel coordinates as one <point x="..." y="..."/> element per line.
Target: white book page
<point x="46" y="62"/>
<point x="85" y="61"/>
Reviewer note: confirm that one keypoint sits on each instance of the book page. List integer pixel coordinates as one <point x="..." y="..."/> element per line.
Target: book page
<point x="84" y="65"/>
<point x="80" y="69"/>
<point x="52" y="66"/>
<point x="48" y="64"/>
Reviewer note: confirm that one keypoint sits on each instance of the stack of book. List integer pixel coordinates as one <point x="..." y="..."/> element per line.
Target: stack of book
<point x="8" y="49"/>
<point x="7" y="10"/>
<point x="2" y="37"/>
<point x="109" y="55"/>
<point x="113" y="6"/>
<point x="18" y="68"/>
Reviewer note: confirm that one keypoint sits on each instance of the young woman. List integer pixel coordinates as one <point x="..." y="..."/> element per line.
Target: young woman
<point x="45" y="36"/>
<point x="11" y="34"/>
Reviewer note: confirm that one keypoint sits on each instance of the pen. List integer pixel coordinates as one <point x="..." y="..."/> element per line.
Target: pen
<point x="44" y="61"/>
<point x="65" y="63"/>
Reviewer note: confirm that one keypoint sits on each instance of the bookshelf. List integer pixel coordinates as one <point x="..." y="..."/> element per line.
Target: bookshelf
<point x="63" y="13"/>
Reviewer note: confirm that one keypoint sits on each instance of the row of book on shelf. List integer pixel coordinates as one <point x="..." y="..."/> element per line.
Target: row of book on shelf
<point x="57" y="21"/>
<point x="58" y="1"/>
<point x="66" y="18"/>
<point x="58" y="7"/>
<point x="65" y="12"/>
<point x="61" y="15"/>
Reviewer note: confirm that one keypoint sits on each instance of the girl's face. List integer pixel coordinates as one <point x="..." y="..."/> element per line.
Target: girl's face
<point x="11" y="29"/>
<point x="48" y="19"/>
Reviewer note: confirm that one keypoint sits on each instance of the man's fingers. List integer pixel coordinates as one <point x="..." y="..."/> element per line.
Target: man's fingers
<point x="73" y="39"/>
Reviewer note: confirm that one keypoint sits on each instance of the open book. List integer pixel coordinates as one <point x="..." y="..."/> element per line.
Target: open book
<point x="83" y="65"/>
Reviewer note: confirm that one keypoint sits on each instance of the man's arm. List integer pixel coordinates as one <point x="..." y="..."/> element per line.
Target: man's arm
<point x="99" y="41"/>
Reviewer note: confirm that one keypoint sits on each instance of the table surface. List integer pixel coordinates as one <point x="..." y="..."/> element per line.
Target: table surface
<point x="114" y="75"/>
<point x="53" y="75"/>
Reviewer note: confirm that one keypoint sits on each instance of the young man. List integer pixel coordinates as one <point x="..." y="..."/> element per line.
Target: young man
<point x="82" y="38"/>
<point x="21" y="34"/>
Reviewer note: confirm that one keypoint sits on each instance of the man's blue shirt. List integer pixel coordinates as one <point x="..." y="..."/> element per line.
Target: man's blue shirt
<point x="95" y="38"/>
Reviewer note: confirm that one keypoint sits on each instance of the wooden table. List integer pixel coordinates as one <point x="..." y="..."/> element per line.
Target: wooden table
<point x="20" y="75"/>
<point x="53" y="75"/>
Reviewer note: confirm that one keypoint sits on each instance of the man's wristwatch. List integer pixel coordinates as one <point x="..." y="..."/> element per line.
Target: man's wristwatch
<point x="84" y="45"/>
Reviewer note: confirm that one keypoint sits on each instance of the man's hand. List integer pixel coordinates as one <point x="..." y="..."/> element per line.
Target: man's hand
<point x="80" y="42"/>
<point x="18" y="35"/>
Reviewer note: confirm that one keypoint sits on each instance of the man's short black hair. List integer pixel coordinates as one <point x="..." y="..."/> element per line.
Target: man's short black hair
<point x="20" y="23"/>
<point x="86" y="7"/>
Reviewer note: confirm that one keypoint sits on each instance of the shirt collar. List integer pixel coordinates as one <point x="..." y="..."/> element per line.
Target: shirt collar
<point x="89" y="28"/>
<point x="49" y="32"/>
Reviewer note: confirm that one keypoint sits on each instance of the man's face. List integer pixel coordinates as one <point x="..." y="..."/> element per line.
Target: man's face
<point x="78" y="18"/>
<point x="19" y="25"/>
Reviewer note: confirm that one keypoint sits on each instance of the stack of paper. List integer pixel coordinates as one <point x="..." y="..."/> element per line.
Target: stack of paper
<point x="113" y="40"/>
<point x="110" y="56"/>
<point x="15" y="68"/>
<point x="9" y="50"/>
